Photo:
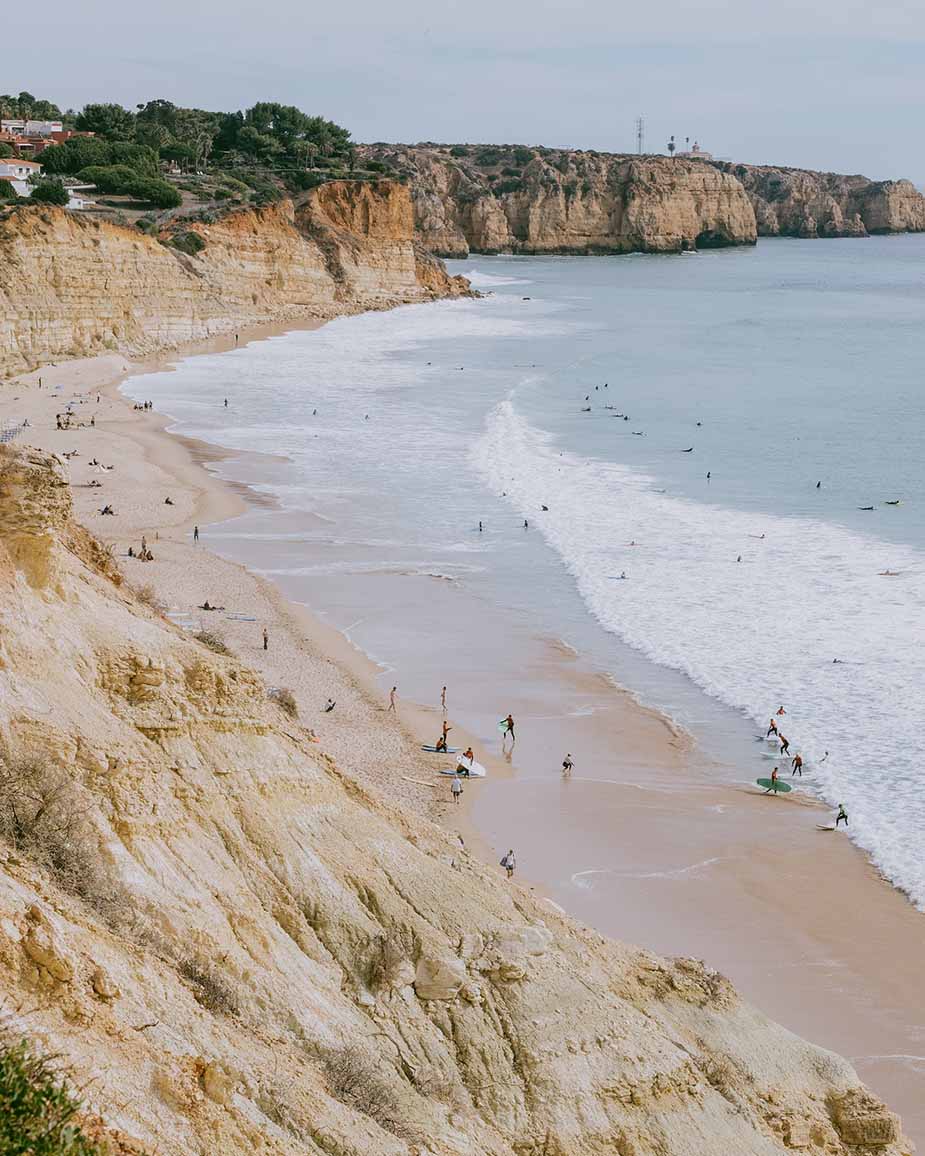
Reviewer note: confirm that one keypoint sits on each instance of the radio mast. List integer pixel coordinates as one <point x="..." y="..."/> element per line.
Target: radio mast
<point x="640" y="135"/>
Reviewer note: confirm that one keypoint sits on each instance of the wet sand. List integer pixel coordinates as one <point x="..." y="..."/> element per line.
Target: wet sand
<point x="649" y="841"/>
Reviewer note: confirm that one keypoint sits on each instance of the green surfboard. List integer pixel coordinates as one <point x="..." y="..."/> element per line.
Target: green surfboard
<point x="774" y="785"/>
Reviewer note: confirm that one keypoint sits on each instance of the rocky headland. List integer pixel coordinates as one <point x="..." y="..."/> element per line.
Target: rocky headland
<point x="241" y="944"/>
<point x="516" y="199"/>
<point x="73" y="286"/>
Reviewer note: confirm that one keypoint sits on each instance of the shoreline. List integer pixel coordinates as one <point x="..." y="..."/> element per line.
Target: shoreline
<point x="848" y="894"/>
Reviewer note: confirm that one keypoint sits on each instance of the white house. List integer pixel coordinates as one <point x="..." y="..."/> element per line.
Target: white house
<point x="18" y="172"/>
<point x="43" y="127"/>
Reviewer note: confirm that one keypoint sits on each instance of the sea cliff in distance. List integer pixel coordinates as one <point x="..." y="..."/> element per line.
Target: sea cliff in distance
<point x="518" y="199"/>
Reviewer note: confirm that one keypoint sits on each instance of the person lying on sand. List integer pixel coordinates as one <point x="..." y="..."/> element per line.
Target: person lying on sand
<point x="208" y="606"/>
<point x="108" y="510"/>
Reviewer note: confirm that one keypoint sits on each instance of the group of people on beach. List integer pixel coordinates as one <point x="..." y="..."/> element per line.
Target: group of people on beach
<point x="796" y="763"/>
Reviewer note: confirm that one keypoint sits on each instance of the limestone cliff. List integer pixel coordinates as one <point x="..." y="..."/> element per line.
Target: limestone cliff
<point x="72" y="286"/>
<point x="500" y="199"/>
<point x="800" y="203"/>
<point x="240" y="948"/>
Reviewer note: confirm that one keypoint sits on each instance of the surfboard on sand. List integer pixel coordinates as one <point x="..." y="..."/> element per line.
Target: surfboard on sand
<point x="774" y="785"/>
<point x="433" y="750"/>
<point x="475" y="771"/>
<point x="825" y="826"/>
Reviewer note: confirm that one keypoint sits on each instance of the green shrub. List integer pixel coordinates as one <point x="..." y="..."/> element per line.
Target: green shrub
<point x="50" y="193"/>
<point x="37" y="1109"/>
<point x="488" y="157"/>
<point x="155" y="191"/>
<point x="523" y="156"/>
<point x="509" y="171"/>
<point x="189" y="242"/>
<point x="459" y="151"/>
<point x="7" y="192"/>
<point x="109" y="178"/>
<point x="510" y="185"/>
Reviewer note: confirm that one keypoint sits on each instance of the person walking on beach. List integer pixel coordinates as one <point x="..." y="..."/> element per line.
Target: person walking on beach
<point x="509" y="863"/>
<point x="509" y="723"/>
<point x="567" y="765"/>
<point x="195" y="533"/>
<point x="392" y="697"/>
<point x="842" y="816"/>
<point x="797" y="763"/>
<point x="443" y="699"/>
<point x="266" y="639"/>
<point x="457" y="788"/>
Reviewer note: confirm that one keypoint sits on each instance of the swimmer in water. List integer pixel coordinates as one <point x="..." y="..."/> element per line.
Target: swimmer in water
<point x="780" y="709"/>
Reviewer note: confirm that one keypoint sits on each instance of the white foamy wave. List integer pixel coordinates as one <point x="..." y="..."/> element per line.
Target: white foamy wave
<point x="482" y="280"/>
<point x="751" y="635"/>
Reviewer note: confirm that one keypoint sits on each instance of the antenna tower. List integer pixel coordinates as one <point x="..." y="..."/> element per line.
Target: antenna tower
<point x="640" y="135"/>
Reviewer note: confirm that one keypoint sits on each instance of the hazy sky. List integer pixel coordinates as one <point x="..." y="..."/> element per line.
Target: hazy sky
<point x="828" y="84"/>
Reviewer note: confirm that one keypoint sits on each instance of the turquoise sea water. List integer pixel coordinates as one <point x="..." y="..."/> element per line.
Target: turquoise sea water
<point x="792" y="364"/>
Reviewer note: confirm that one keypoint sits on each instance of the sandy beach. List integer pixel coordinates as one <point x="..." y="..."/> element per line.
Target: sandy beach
<point x="798" y="919"/>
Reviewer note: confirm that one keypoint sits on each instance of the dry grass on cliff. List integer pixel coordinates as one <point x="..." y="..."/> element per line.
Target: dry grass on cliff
<point x="213" y="641"/>
<point x="44" y="818"/>
<point x="285" y="700"/>
<point x="211" y="989"/>
<point x="354" y="1078"/>
<point x="148" y="595"/>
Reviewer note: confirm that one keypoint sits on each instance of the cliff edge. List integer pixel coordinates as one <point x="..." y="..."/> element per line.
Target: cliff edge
<point x="72" y="286"/>
<point x="505" y="199"/>
<point x="241" y="947"/>
<point x="801" y="203"/>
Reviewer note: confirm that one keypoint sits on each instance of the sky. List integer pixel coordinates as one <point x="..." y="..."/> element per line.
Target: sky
<point x="836" y="85"/>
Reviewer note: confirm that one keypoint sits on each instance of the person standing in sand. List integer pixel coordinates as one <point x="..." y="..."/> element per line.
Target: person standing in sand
<point x="392" y="693"/>
<point x="443" y="699"/>
<point x="457" y="788"/>
<point x="509" y="723"/>
<point x="195" y="533"/>
<point x="567" y="765"/>
<point x="446" y="730"/>
<point x="509" y="863"/>
<point x="266" y="639"/>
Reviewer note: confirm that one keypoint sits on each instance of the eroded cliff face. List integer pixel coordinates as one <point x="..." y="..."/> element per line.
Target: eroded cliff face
<point x="71" y="286"/>
<point x="800" y="203"/>
<point x="518" y="200"/>
<point x="242" y="949"/>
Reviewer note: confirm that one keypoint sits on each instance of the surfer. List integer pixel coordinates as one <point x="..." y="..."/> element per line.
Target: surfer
<point x="824" y="757"/>
<point x="773" y="780"/>
<point x="784" y="745"/>
<point x="509" y="863"/>
<point x="772" y="729"/>
<point x="509" y="722"/>
<point x="469" y="754"/>
<point x="797" y="764"/>
<point x="780" y="710"/>
<point x="567" y="765"/>
<point x="842" y="816"/>
<point x="440" y="744"/>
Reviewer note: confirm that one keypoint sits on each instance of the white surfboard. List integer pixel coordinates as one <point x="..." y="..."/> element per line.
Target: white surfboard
<point x="475" y="771"/>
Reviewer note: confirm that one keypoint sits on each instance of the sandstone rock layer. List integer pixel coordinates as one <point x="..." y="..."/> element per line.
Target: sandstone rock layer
<point x="73" y="286"/>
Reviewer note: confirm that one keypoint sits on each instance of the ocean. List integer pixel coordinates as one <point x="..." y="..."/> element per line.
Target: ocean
<point x="739" y="433"/>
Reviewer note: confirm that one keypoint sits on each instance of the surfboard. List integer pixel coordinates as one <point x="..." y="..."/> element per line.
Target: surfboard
<point x="774" y="785"/>
<point x="502" y="726"/>
<point x="433" y="750"/>
<point x="825" y="826"/>
<point x="476" y="771"/>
